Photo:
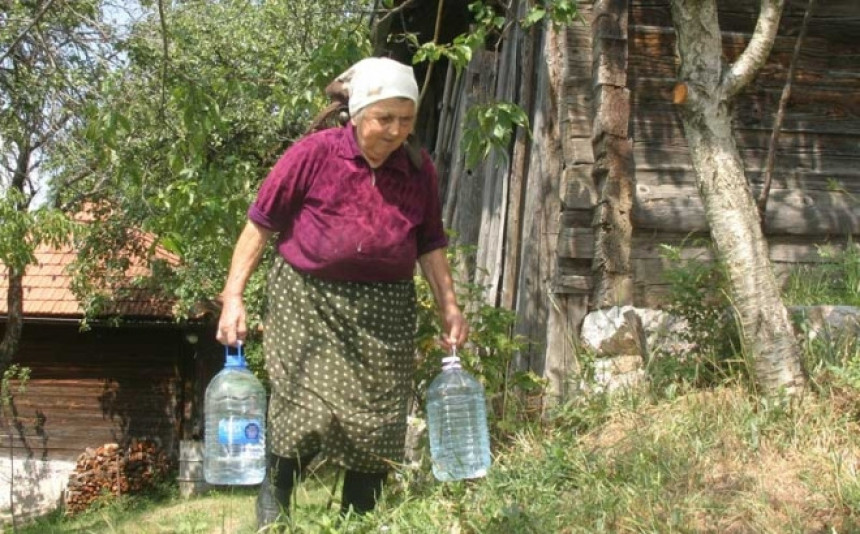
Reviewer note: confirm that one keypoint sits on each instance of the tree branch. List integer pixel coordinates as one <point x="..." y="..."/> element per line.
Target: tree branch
<point x="429" y="73"/>
<point x="753" y="57"/>
<point x="24" y="33"/>
<point x="780" y="113"/>
<point x="379" y="28"/>
<point x="164" y="49"/>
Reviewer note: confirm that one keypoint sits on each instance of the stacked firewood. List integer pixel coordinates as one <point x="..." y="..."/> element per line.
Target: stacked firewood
<point x="111" y="470"/>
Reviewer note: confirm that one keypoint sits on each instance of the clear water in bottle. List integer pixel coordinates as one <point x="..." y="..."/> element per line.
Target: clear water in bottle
<point x="457" y="424"/>
<point x="235" y="413"/>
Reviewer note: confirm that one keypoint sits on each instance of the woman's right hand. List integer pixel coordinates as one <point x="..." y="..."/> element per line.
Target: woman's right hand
<point x="231" y="325"/>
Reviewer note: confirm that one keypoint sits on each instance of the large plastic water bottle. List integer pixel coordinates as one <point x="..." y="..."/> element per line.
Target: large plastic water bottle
<point x="235" y="439"/>
<point x="457" y="424"/>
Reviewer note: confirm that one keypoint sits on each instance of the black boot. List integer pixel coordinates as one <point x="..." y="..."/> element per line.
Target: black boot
<point x="273" y="504"/>
<point x="361" y="491"/>
<point x="273" y="501"/>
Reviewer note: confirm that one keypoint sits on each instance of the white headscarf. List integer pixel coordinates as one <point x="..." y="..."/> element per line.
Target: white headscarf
<point x="377" y="78"/>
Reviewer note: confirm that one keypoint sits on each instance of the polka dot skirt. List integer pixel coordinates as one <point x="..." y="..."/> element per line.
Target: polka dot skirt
<point x="340" y="357"/>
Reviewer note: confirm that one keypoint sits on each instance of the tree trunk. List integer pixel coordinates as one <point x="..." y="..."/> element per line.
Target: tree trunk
<point x="15" y="295"/>
<point x="14" y="319"/>
<point x="705" y="98"/>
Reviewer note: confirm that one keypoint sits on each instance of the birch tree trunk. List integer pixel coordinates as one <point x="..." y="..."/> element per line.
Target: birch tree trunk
<point x="705" y="91"/>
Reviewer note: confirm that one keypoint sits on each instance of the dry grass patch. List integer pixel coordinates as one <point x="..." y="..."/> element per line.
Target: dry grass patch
<point x="729" y="462"/>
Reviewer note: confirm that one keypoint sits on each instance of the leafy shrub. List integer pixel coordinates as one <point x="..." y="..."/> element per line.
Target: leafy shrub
<point x="489" y="352"/>
<point x="699" y="294"/>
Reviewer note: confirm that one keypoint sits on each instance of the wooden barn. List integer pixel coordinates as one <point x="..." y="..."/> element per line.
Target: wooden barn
<point x="136" y="375"/>
<point x="572" y="217"/>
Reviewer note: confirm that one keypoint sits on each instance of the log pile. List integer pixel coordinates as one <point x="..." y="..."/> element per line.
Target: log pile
<point x="111" y="470"/>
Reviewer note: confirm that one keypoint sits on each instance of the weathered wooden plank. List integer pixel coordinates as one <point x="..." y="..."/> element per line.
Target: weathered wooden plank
<point x="94" y="387"/>
<point x="677" y="157"/>
<point x="783" y="179"/>
<point x="578" y="151"/>
<point x="577" y="218"/>
<point x="576" y="243"/>
<point x="834" y="19"/>
<point x="613" y="165"/>
<point x="613" y="117"/>
<point x="575" y="284"/>
<point x="789" y="211"/>
<point x="666" y="133"/>
<point x="615" y="162"/>
<point x="610" y="61"/>
<point x="68" y="447"/>
<point x="497" y="175"/>
<point x="648" y="244"/>
<point x="838" y="90"/>
<point x="771" y="76"/>
<point x="782" y="248"/>
<point x="578" y="111"/>
<point x="820" y="64"/>
<point x="610" y="19"/>
<point x="565" y="315"/>
<point x="466" y="189"/>
<point x="578" y="187"/>
<point x="88" y="388"/>
<point x="519" y="170"/>
<point x="799" y="134"/>
<point x="542" y="205"/>
<point x="55" y="408"/>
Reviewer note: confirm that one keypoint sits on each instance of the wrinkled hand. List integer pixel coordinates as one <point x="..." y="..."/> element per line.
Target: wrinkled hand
<point x="231" y="325"/>
<point x="455" y="329"/>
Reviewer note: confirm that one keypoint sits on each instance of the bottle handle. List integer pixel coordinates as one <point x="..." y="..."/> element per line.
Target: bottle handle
<point x="235" y="358"/>
<point x="239" y="352"/>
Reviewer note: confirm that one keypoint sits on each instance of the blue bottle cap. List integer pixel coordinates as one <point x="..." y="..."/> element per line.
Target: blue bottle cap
<point x="236" y="359"/>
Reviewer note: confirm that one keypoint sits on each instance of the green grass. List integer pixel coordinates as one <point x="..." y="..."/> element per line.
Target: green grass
<point x="691" y="451"/>
<point x="707" y="460"/>
<point x="836" y="280"/>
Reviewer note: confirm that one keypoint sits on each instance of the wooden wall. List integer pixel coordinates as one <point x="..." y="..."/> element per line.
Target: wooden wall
<point x="101" y="386"/>
<point x="575" y="217"/>
<point x="814" y="197"/>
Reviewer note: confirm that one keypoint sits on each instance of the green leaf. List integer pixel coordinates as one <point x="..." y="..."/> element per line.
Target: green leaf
<point x="535" y="15"/>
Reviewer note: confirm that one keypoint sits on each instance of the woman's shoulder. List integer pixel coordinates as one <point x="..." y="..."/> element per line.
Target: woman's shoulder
<point x="318" y="142"/>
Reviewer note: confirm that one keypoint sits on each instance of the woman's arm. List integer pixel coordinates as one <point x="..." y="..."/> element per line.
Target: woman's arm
<point x="246" y="255"/>
<point x="434" y="265"/>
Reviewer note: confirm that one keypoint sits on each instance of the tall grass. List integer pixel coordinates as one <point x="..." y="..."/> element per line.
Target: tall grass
<point x="711" y="460"/>
<point x="691" y="450"/>
<point x="835" y="280"/>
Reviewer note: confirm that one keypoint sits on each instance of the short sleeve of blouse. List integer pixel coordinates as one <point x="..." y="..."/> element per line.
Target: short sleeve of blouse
<point x="281" y="194"/>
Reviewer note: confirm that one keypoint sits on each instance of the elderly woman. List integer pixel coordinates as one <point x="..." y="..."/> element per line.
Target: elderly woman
<point x="352" y="214"/>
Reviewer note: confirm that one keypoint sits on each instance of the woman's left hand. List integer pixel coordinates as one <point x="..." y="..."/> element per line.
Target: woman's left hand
<point x="455" y="329"/>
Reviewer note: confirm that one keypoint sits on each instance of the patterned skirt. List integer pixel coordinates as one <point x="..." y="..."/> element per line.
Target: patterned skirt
<point x="340" y="357"/>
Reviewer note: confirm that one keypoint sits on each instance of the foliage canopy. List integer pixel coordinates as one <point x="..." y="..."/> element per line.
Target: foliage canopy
<point x="210" y="95"/>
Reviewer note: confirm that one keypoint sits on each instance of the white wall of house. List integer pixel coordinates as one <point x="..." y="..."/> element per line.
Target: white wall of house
<point x="32" y="487"/>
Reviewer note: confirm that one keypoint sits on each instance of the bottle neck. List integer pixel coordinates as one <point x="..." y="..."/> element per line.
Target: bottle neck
<point x="233" y="361"/>
<point x="450" y="363"/>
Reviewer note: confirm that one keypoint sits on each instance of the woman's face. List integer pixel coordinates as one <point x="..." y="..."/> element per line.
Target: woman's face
<point x="382" y="127"/>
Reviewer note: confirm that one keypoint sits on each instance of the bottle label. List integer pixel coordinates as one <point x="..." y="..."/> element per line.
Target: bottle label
<point x="239" y="431"/>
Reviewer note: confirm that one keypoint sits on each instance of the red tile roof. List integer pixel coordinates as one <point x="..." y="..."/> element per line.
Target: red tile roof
<point x="47" y="289"/>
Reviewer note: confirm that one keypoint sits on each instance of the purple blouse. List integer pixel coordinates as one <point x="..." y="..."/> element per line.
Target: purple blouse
<point x="339" y="219"/>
